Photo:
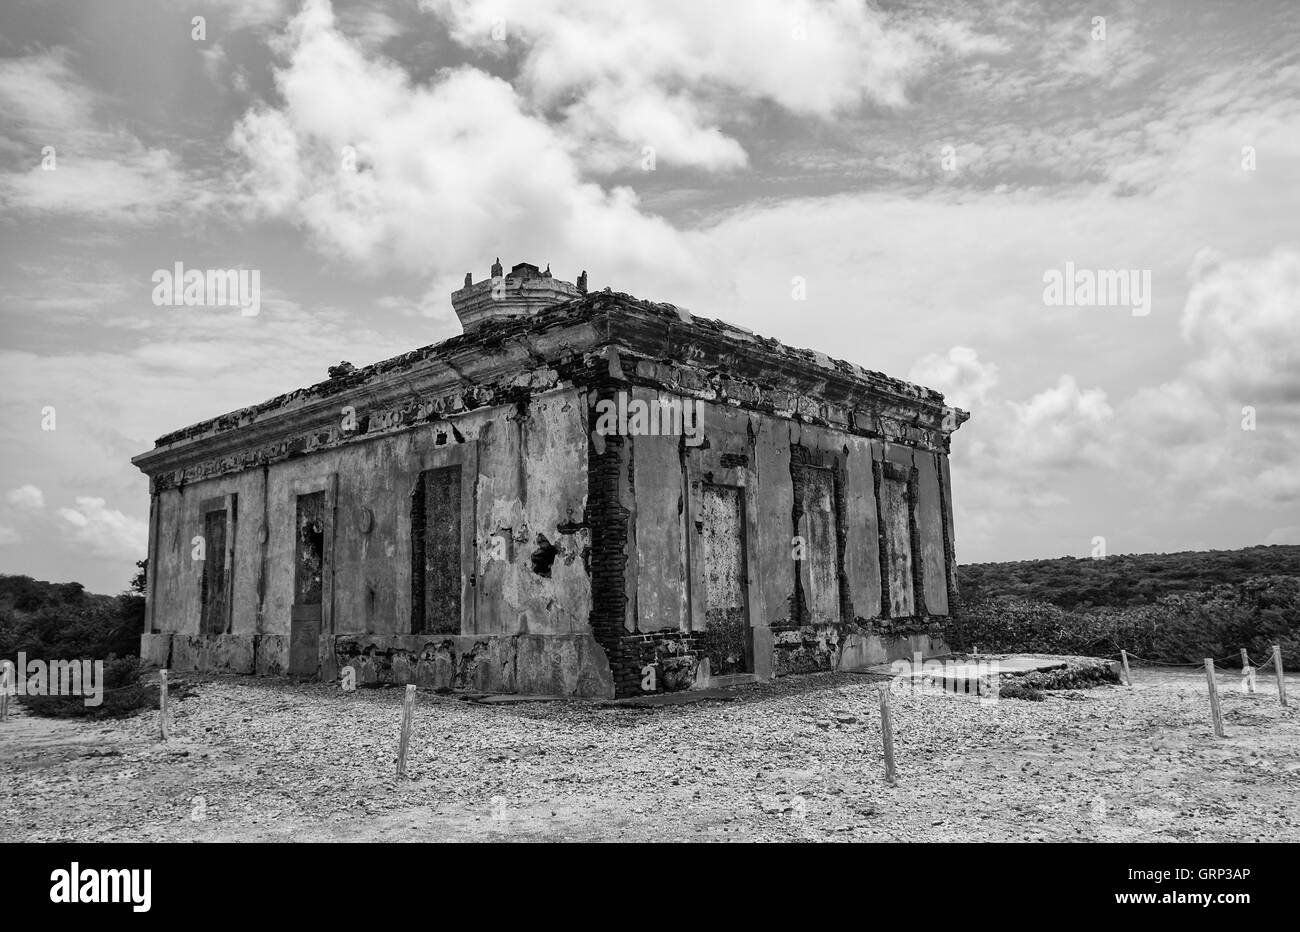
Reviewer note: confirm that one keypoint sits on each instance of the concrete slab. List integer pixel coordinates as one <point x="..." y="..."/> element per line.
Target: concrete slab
<point x="1013" y="664"/>
<point x="978" y="675"/>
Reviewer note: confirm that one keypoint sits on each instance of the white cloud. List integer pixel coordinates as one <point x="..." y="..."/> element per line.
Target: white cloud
<point x="1227" y="426"/>
<point x="75" y="285"/>
<point x="1016" y="460"/>
<point x="1283" y="535"/>
<point x="100" y="171"/>
<point x="244" y="14"/>
<point x="1279" y="482"/>
<point x="448" y="172"/>
<point x="963" y="40"/>
<point x="964" y="380"/>
<point x="369" y="25"/>
<point x="8" y="536"/>
<point x="104" y="531"/>
<point x="135" y="185"/>
<point x="1119" y="58"/>
<point x="668" y="73"/>
<point x="26" y="498"/>
<point x="1061" y="428"/>
<point x="1243" y="319"/>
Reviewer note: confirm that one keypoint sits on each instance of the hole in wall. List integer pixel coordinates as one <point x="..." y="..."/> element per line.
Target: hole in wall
<point x="544" y="556"/>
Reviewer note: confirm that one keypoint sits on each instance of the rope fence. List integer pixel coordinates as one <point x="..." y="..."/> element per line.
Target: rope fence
<point x="1191" y="666"/>
<point x="1249" y="668"/>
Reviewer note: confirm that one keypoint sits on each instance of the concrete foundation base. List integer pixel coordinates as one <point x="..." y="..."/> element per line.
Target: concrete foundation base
<point x="530" y="664"/>
<point x="862" y="651"/>
<point x="818" y="648"/>
<point x="524" y="664"/>
<point x="271" y="654"/>
<point x="156" y="649"/>
<point x="263" y="654"/>
<point x="218" y="653"/>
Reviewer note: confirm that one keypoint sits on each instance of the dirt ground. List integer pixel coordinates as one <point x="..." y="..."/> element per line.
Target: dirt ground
<point x="795" y="760"/>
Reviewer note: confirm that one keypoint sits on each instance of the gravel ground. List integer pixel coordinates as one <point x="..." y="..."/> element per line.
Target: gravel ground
<point x="798" y="759"/>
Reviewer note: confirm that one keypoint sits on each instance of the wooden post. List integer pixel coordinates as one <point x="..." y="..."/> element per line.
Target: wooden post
<point x="4" y="690"/>
<point x="1215" y="712"/>
<point x="162" y="702"/>
<point x="887" y="732"/>
<point x="1247" y="671"/>
<point x="408" y="707"/>
<point x="1277" y="668"/>
<point x="1128" y="677"/>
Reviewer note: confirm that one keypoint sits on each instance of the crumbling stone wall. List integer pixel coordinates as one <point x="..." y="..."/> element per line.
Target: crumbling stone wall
<point x="674" y="656"/>
<point x="608" y="521"/>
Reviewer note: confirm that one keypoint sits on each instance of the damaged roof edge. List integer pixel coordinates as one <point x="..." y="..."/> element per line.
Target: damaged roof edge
<point x="498" y="332"/>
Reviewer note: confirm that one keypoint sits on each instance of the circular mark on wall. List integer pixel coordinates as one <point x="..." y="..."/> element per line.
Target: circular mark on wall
<point x="365" y="520"/>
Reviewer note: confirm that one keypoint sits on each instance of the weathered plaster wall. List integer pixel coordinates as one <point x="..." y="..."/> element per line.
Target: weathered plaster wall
<point x="840" y="582"/>
<point x="772" y="472"/>
<point x="930" y="523"/>
<point x="656" y="528"/>
<point x="862" y="543"/>
<point x="373" y="570"/>
<point x="532" y="490"/>
<point x="179" y="575"/>
<point x="524" y="480"/>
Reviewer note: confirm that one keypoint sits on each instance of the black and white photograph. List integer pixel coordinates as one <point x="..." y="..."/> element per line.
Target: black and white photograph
<point x="643" y="422"/>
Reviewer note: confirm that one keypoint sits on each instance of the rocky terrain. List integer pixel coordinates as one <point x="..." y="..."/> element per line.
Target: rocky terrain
<point x="798" y="759"/>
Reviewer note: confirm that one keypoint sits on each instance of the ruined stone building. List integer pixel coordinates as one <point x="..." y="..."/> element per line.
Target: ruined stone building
<point x="472" y="515"/>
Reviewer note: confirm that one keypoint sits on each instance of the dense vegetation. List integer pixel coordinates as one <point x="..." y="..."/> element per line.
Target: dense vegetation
<point x="1124" y="580"/>
<point x="62" y="621"/>
<point x="1169" y="608"/>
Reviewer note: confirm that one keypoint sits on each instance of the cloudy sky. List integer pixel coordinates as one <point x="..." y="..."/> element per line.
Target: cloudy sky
<point x="920" y="165"/>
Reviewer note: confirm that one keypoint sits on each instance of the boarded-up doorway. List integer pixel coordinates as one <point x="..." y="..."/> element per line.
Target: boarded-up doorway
<point x="308" y="584"/>
<point x="214" y="593"/>
<point x="896" y="534"/>
<point x="726" y="638"/>
<point x="436" y="552"/>
<point x="819" y="570"/>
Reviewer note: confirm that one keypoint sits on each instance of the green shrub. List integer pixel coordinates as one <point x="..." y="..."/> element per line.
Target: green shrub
<point x="124" y="695"/>
<point x="1124" y="580"/>
<point x="1180" y="628"/>
<point x="61" y="620"/>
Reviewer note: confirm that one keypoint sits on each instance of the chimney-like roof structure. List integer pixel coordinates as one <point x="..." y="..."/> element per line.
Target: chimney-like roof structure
<point x="523" y="292"/>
